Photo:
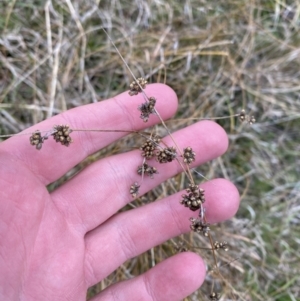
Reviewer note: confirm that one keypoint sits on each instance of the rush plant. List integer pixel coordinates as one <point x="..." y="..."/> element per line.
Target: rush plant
<point x="155" y="151"/>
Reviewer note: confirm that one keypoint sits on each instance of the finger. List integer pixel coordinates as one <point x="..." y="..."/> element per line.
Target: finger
<point x="120" y="113"/>
<point x="131" y="233"/>
<point x="103" y="188"/>
<point x="173" y="279"/>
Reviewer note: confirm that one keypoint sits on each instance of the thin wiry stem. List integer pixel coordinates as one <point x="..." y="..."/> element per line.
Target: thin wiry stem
<point x="206" y="118"/>
<point x="101" y="130"/>
<point x="199" y="174"/>
<point x="143" y="134"/>
<point x="143" y="91"/>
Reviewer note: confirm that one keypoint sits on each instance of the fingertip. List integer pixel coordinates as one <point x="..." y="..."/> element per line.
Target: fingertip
<point x="217" y="139"/>
<point x="223" y="200"/>
<point x="193" y="269"/>
<point x="185" y="273"/>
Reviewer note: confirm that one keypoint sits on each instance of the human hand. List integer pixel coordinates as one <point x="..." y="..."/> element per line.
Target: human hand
<point x="54" y="246"/>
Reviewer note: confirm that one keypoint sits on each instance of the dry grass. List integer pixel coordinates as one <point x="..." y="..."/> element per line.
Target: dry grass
<point x="219" y="57"/>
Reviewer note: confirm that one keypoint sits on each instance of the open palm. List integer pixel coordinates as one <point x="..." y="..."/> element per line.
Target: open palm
<point x="54" y="246"/>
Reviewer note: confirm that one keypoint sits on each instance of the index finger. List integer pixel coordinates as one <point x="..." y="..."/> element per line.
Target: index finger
<point x="119" y="112"/>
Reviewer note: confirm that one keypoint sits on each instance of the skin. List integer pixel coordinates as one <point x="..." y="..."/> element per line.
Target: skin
<point x="54" y="246"/>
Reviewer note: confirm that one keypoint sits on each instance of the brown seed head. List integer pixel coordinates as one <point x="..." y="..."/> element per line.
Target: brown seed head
<point x="214" y="296"/>
<point x="188" y="155"/>
<point x="62" y="134"/>
<point x="149" y="147"/>
<point x="194" y="197"/>
<point x="221" y="245"/>
<point x="147" y="170"/>
<point x="197" y="225"/>
<point x="134" y="189"/>
<point x="147" y="108"/>
<point x="135" y="86"/>
<point x="166" y="155"/>
<point x="244" y="117"/>
<point x="37" y="139"/>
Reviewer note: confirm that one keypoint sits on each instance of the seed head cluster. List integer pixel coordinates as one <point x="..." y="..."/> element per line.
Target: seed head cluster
<point x="221" y="245"/>
<point x="214" y="296"/>
<point x="62" y="134"/>
<point x="135" y="86"/>
<point x="166" y="155"/>
<point x="188" y="155"/>
<point x="149" y="147"/>
<point x="194" y="197"/>
<point x="37" y="139"/>
<point x="134" y="189"/>
<point x="244" y="117"/>
<point x="147" y="170"/>
<point x="147" y="108"/>
<point x="198" y="226"/>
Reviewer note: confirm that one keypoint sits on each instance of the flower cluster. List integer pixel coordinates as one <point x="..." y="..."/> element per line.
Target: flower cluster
<point x="149" y="147"/>
<point x="194" y="197"/>
<point x="166" y="155"/>
<point x="244" y="117"/>
<point x="37" y="139"/>
<point x="221" y="245"/>
<point x="147" y="108"/>
<point x="199" y="226"/>
<point x="62" y="134"/>
<point x="134" y="189"/>
<point x="188" y="155"/>
<point x="135" y="86"/>
<point x="147" y="170"/>
<point x="214" y="296"/>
